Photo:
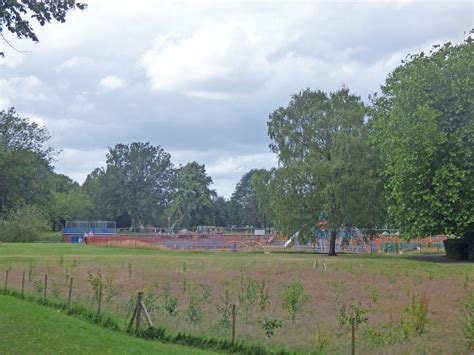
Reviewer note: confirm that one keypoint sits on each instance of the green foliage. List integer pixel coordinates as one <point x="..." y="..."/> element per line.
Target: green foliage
<point x="327" y="164"/>
<point x="137" y="180"/>
<point x="270" y="325"/>
<point x="194" y="312"/>
<point x="372" y="293"/>
<point x="70" y="206"/>
<point x="13" y="15"/>
<point x="98" y="281"/>
<point x="415" y="315"/>
<point x="385" y="334"/>
<point x="22" y="224"/>
<point x="18" y="134"/>
<point x="322" y="339"/>
<point x="468" y="321"/>
<point x="423" y="125"/>
<point x="339" y="288"/>
<point x="264" y="297"/>
<point x="224" y="308"/>
<point x="360" y="313"/>
<point x="192" y="202"/>
<point x="196" y="300"/>
<point x="248" y="296"/>
<point x="169" y="302"/>
<point x="293" y="298"/>
<point x="244" y="203"/>
<point x="149" y="300"/>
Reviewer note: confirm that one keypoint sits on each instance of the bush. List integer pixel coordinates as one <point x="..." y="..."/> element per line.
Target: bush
<point x="22" y="225"/>
<point x="415" y="315"/>
<point x="293" y="298"/>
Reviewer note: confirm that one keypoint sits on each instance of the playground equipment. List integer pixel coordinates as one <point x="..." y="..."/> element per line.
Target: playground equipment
<point x="289" y="243"/>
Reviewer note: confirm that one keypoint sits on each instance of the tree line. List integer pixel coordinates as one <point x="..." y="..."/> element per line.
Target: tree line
<point x="405" y="158"/>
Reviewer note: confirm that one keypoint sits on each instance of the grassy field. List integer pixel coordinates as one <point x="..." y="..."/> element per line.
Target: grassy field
<point x="27" y="328"/>
<point x="377" y="287"/>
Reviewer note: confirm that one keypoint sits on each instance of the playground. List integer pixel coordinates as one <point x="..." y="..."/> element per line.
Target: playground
<point x="353" y="240"/>
<point x="187" y="291"/>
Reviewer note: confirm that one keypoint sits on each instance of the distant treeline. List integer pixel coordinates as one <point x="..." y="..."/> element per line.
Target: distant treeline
<point x="406" y="158"/>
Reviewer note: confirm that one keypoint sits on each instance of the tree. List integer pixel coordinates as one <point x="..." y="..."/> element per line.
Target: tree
<point x="68" y="202"/>
<point x="24" y="162"/>
<point x="192" y="203"/>
<point x="244" y="202"/>
<point x="22" y="224"/>
<point x="222" y="211"/>
<point x="14" y="13"/>
<point x="18" y="133"/>
<point x="423" y="124"/>
<point x="137" y="180"/>
<point x="327" y="165"/>
<point x="261" y="183"/>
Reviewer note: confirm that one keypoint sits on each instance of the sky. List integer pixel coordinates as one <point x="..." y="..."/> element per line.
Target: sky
<point x="201" y="78"/>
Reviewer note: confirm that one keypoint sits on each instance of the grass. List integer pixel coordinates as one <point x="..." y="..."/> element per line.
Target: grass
<point x="382" y="284"/>
<point x="27" y="328"/>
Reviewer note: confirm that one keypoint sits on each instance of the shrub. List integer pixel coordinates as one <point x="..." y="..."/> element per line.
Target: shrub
<point x="322" y="339"/>
<point x="248" y="295"/>
<point x="269" y="325"/>
<point x="169" y="302"/>
<point x="22" y="225"/>
<point x="293" y="298"/>
<point x="225" y="308"/>
<point x="415" y="315"/>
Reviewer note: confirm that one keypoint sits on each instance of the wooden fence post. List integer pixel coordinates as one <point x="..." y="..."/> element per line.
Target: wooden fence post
<point x="23" y="283"/>
<point x="70" y="292"/>
<point x="45" y="286"/>
<point x="353" y="347"/>
<point x="138" y="320"/>
<point x="6" y="278"/>
<point x="234" y="314"/>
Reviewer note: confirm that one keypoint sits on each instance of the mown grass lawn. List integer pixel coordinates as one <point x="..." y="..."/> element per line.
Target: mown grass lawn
<point x="27" y="328"/>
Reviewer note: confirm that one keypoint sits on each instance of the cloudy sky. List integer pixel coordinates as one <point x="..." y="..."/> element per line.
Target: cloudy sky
<point x="200" y="79"/>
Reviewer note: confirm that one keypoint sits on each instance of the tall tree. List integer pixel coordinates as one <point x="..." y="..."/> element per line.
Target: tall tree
<point x="24" y="162"/>
<point x="327" y="165"/>
<point x="137" y="180"/>
<point x="244" y="202"/>
<point x="192" y="203"/>
<point x="423" y="124"/>
<point x="222" y="212"/>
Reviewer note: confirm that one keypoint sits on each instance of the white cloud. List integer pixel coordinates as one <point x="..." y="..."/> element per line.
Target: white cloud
<point x="24" y="88"/>
<point x="77" y="163"/>
<point x="241" y="163"/>
<point x="75" y="62"/>
<point x="112" y="82"/>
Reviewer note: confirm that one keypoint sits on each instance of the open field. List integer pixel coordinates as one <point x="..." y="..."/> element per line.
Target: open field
<point x="27" y="328"/>
<point x="381" y="285"/>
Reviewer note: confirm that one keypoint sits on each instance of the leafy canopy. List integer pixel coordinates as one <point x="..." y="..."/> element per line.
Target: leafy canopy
<point x="423" y="124"/>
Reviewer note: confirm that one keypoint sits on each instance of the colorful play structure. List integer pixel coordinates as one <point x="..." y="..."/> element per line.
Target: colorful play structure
<point x="105" y="233"/>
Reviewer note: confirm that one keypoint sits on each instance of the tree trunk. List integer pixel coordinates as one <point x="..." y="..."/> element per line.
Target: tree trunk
<point x="332" y="243"/>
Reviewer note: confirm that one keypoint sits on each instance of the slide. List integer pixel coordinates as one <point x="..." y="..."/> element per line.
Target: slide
<point x="289" y="243"/>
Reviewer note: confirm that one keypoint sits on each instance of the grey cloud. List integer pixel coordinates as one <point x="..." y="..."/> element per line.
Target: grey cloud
<point x="268" y="51"/>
